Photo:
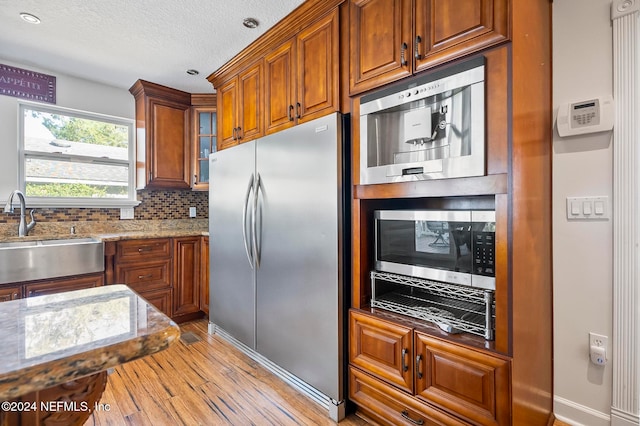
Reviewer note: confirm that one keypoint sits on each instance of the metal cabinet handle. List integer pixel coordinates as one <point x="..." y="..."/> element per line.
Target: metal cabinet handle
<point x="416" y="50"/>
<point x="403" y="49"/>
<point x="405" y="414"/>
<point x="298" y="108"/>
<point x="145" y="248"/>
<point x="405" y="367"/>
<point x="140" y="277"/>
<point x="239" y="133"/>
<point x="195" y="179"/>
<point x="233" y="134"/>
<point x="419" y="365"/>
<point x="290" y="113"/>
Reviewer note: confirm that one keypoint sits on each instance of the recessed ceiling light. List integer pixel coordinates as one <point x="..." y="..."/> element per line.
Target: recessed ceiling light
<point x="250" y="23"/>
<point x="193" y="72"/>
<point x="27" y="17"/>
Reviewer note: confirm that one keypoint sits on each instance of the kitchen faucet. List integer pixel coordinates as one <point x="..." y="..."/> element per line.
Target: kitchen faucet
<point x="23" y="229"/>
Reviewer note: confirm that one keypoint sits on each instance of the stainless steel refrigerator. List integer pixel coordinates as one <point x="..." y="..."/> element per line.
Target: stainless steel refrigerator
<point x="279" y="253"/>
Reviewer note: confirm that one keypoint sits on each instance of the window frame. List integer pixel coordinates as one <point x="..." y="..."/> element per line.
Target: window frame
<point x="79" y="202"/>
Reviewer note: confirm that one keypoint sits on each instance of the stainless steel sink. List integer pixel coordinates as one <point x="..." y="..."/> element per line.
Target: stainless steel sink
<point x="42" y="259"/>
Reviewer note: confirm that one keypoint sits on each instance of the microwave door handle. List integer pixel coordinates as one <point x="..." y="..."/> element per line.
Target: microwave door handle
<point x="257" y="232"/>
<point x="244" y="222"/>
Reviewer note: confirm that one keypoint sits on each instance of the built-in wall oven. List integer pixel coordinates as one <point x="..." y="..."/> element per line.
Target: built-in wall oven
<point x="427" y="127"/>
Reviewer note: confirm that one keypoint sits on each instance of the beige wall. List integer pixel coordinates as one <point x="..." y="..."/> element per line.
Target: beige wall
<point x="582" y="251"/>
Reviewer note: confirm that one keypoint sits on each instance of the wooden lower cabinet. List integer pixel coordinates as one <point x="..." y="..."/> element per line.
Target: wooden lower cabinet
<point x="10" y="292"/>
<point x="165" y="271"/>
<point x="161" y="299"/>
<point x="400" y="375"/>
<point x="60" y="285"/>
<point x="387" y="405"/>
<point x="186" y="278"/>
<point x="204" y="276"/>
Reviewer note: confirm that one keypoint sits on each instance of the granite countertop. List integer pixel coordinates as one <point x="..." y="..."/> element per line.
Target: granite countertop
<point x="110" y="230"/>
<point x="52" y="339"/>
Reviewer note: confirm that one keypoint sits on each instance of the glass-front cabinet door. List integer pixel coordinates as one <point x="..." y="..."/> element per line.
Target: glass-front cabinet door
<point x="204" y="137"/>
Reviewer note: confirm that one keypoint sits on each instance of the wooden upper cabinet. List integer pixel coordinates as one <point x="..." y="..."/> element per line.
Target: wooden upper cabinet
<point x="250" y="114"/>
<point x="380" y="34"/>
<point x="318" y="69"/>
<point x="393" y="39"/>
<point x="162" y="136"/>
<point x="227" y="113"/>
<point x="280" y="87"/>
<point x="448" y="29"/>
<point x="203" y="138"/>
<point x="240" y="104"/>
<point x="302" y="76"/>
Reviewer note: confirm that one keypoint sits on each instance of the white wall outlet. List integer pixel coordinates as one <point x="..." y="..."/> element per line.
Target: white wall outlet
<point x="126" y="213"/>
<point x="192" y="212"/>
<point x="598" y="348"/>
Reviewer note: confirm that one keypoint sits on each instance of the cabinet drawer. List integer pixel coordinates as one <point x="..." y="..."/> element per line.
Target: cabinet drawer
<point x="145" y="276"/>
<point x="63" y="284"/>
<point x="389" y="406"/>
<point x="383" y="348"/>
<point x="136" y="250"/>
<point x="466" y="382"/>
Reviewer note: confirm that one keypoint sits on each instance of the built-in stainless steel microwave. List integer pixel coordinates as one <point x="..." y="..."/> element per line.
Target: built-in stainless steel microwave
<point x="452" y="246"/>
<point x="428" y="127"/>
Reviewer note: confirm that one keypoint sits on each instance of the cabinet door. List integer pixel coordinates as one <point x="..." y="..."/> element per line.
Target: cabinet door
<point x="186" y="280"/>
<point x="380" y="42"/>
<point x="227" y="109"/>
<point x="204" y="276"/>
<point x="280" y="88"/>
<point x="204" y="143"/>
<point x="250" y="111"/>
<point x="169" y="145"/>
<point x="8" y="293"/>
<point x="317" y="69"/>
<point x="450" y="29"/>
<point x="463" y="381"/>
<point x="63" y="284"/>
<point x="383" y="348"/>
<point x="161" y="299"/>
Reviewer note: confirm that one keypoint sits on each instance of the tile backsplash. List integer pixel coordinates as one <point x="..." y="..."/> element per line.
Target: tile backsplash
<point x="154" y="205"/>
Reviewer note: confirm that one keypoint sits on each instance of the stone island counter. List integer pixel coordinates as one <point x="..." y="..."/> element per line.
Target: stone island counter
<point x="55" y="350"/>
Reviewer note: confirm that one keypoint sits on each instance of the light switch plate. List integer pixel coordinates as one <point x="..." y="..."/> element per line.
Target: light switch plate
<point x="126" y="213"/>
<point x="588" y="208"/>
<point x="192" y="212"/>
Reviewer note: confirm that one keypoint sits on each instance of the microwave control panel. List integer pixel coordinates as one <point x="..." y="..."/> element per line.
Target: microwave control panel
<point x="484" y="253"/>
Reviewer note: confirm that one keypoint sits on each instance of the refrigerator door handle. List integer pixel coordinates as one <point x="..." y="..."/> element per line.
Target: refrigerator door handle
<point x="256" y="234"/>
<point x="244" y="222"/>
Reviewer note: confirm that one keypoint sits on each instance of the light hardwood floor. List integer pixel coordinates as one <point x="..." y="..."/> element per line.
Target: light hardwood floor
<point x="205" y="383"/>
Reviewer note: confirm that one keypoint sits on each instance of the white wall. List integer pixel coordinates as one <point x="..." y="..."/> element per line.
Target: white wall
<point x="582" y="251"/>
<point x="71" y="92"/>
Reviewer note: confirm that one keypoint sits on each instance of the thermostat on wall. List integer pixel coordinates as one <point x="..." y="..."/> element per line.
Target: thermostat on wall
<point x="590" y="116"/>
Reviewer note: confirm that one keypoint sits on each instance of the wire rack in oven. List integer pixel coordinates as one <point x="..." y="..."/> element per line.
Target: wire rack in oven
<point x="453" y="308"/>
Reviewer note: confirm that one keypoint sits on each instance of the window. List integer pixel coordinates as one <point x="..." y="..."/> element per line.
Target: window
<point x="72" y="158"/>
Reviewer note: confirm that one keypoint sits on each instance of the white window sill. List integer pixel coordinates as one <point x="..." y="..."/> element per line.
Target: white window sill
<point x="79" y="203"/>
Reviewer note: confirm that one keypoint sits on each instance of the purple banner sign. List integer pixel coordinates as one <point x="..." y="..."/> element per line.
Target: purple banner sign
<point x="27" y="84"/>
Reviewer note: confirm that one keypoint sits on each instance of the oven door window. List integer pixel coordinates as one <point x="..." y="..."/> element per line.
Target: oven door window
<point x="425" y="243"/>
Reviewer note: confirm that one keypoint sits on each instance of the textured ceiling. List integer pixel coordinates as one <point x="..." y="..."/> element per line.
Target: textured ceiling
<point x="117" y="42"/>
